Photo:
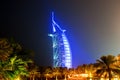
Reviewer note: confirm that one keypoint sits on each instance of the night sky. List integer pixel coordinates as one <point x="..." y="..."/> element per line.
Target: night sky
<point x="92" y="27"/>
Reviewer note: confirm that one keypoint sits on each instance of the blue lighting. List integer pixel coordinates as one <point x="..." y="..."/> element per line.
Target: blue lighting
<point x="61" y="49"/>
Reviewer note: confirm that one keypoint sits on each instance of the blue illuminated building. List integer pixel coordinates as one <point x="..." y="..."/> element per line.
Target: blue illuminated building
<point x="62" y="56"/>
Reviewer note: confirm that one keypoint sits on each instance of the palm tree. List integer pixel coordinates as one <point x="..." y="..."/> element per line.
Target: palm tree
<point x="65" y="73"/>
<point x="82" y="68"/>
<point x="5" y="70"/>
<point x="34" y="72"/>
<point x="12" y="66"/>
<point x="18" y="67"/>
<point x="48" y="73"/>
<point x="5" y="49"/>
<point x="106" y="67"/>
<point x="56" y="72"/>
<point x="90" y="69"/>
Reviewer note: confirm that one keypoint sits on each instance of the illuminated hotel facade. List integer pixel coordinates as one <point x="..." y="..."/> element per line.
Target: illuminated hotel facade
<point x="62" y="56"/>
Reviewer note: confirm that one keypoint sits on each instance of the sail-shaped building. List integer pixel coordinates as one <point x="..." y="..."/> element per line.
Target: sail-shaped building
<point x="62" y="56"/>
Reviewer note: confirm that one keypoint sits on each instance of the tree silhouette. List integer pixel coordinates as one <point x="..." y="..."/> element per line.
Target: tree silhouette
<point x="106" y="66"/>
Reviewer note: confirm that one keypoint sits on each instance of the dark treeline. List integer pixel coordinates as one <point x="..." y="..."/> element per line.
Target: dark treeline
<point x="17" y="63"/>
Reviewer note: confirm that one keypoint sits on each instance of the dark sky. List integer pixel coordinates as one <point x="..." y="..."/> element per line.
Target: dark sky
<point x="93" y="27"/>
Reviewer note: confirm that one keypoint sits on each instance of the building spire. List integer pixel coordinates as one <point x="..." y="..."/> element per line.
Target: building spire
<point x="55" y="25"/>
